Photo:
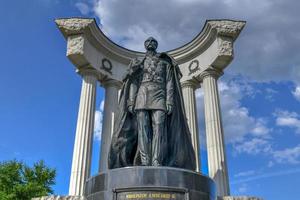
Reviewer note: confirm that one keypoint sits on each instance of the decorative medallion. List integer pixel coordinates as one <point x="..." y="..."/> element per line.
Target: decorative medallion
<point x="194" y="66"/>
<point x="106" y="65"/>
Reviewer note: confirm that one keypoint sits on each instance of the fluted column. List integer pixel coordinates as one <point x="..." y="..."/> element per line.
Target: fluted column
<point x="112" y="88"/>
<point x="217" y="165"/>
<point x="81" y="164"/>
<point x="188" y="91"/>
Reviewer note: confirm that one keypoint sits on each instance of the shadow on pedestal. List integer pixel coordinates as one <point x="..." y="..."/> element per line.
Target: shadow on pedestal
<point x="145" y="183"/>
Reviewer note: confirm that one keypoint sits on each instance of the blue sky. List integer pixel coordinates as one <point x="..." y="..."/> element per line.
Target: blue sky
<point x="260" y="90"/>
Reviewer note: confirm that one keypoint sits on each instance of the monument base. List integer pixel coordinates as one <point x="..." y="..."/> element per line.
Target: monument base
<point x="148" y="183"/>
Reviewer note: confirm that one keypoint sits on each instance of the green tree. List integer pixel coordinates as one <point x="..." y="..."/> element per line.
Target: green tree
<point x="21" y="182"/>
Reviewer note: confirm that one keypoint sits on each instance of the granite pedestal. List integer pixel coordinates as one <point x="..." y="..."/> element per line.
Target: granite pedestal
<point x="147" y="183"/>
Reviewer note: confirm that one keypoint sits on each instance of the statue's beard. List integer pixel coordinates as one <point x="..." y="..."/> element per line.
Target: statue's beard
<point x="151" y="47"/>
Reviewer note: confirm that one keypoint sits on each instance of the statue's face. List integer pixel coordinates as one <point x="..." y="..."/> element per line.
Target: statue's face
<point x="151" y="44"/>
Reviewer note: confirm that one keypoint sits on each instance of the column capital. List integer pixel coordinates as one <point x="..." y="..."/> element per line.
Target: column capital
<point x="190" y="83"/>
<point x="111" y="83"/>
<point x="87" y="71"/>
<point x="213" y="72"/>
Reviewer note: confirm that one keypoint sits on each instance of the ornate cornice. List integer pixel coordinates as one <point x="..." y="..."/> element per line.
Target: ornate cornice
<point x="73" y="26"/>
<point x="227" y="28"/>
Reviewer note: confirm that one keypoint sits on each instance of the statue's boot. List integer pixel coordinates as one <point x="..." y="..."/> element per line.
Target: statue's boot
<point x="144" y="137"/>
<point x="158" y="141"/>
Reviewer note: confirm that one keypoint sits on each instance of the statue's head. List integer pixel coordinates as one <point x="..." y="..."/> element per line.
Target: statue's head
<point x="151" y="44"/>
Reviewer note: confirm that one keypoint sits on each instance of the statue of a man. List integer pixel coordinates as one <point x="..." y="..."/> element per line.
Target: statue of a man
<point x="151" y="128"/>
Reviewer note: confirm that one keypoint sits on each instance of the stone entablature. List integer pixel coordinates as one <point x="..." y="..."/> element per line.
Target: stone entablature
<point x="88" y="46"/>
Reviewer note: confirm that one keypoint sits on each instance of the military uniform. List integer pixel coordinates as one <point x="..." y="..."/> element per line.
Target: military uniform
<point x="150" y="99"/>
<point x="151" y="128"/>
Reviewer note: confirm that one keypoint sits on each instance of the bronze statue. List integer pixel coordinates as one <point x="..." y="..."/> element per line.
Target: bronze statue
<point x="151" y="127"/>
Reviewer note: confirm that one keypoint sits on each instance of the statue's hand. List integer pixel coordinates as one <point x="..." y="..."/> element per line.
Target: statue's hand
<point x="169" y="109"/>
<point x="134" y="66"/>
<point x="136" y="62"/>
<point x="130" y="109"/>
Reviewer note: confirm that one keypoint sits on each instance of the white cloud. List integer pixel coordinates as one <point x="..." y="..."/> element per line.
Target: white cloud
<point x="260" y="129"/>
<point x="98" y="122"/>
<point x="263" y="175"/>
<point x="231" y="93"/>
<point x="270" y="163"/>
<point x="296" y="92"/>
<point x="262" y="144"/>
<point x="264" y="51"/>
<point x="102" y="105"/>
<point x="130" y="23"/>
<point x="191" y="1"/>
<point x="289" y="155"/>
<point x="250" y="135"/>
<point x="243" y="188"/>
<point x="288" y="119"/>
<point x="270" y="94"/>
<point x="83" y="8"/>
<point x="245" y="173"/>
<point x="254" y="146"/>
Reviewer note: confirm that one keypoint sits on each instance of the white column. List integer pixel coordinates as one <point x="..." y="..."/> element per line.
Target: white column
<point x="190" y="104"/>
<point x="112" y="88"/>
<point x="82" y="154"/>
<point x="217" y="165"/>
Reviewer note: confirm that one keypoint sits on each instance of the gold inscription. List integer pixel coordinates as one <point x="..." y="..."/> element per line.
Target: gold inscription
<point x="136" y="196"/>
<point x="150" y="195"/>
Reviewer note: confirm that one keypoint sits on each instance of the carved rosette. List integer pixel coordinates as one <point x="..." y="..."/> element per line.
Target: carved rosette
<point x="225" y="47"/>
<point x="75" y="45"/>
